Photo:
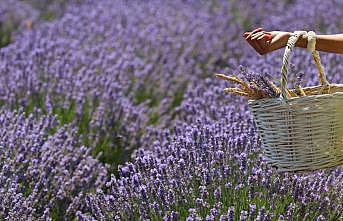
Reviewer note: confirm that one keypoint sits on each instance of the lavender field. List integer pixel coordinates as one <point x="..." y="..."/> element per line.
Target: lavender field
<point x="110" y="110"/>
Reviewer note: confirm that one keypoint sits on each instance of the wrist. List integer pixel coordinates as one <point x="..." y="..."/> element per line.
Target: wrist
<point x="280" y="39"/>
<point x="302" y="42"/>
<point x="285" y="39"/>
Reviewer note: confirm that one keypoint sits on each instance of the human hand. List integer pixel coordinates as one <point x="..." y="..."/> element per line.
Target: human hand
<point x="264" y="42"/>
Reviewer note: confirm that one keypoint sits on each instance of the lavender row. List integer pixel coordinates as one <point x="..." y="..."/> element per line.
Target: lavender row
<point x="42" y="174"/>
<point x="114" y="68"/>
<point x="99" y="60"/>
<point x="211" y="172"/>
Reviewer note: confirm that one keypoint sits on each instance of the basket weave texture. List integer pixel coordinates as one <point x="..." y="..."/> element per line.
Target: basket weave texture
<point x="301" y="133"/>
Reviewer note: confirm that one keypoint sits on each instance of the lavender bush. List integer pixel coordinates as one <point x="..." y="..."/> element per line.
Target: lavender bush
<point x="96" y="75"/>
<point x="136" y="77"/>
<point x="41" y="174"/>
<point x="213" y="172"/>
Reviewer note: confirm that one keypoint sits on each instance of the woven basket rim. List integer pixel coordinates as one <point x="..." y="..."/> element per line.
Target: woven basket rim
<point x="250" y="101"/>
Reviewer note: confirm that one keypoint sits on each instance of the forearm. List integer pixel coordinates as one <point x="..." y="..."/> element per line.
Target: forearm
<point x="326" y="43"/>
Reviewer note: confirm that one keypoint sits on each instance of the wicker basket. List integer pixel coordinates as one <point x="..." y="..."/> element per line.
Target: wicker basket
<point x="301" y="133"/>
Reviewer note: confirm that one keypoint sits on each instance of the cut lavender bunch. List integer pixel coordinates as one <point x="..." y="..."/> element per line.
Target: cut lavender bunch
<point x="262" y="81"/>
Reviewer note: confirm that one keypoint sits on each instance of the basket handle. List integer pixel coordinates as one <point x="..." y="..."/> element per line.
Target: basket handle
<point x="285" y="64"/>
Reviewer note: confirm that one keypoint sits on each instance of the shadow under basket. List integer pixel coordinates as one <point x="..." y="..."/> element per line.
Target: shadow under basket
<point x="302" y="133"/>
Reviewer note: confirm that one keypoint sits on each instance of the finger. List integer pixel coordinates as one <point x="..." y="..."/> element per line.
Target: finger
<point x="257" y="35"/>
<point x="257" y="30"/>
<point x="246" y="34"/>
<point x="265" y="37"/>
<point x="254" y="31"/>
<point x="261" y="37"/>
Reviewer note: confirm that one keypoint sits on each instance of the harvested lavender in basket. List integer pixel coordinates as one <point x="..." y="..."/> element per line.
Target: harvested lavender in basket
<point x="254" y="85"/>
<point x="260" y="82"/>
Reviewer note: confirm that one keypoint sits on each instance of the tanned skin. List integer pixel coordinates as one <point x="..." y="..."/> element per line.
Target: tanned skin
<point x="267" y="41"/>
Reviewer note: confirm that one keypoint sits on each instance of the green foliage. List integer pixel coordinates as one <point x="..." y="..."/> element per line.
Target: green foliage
<point x="178" y="98"/>
<point x="144" y="94"/>
<point x="58" y="212"/>
<point x="154" y="117"/>
<point x="5" y="35"/>
<point x="48" y="16"/>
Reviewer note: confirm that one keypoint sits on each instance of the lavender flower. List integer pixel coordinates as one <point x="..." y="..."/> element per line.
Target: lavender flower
<point x="132" y="77"/>
<point x="42" y="175"/>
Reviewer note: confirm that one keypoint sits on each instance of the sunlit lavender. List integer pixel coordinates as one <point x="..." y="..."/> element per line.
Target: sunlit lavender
<point x="110" y="110"/>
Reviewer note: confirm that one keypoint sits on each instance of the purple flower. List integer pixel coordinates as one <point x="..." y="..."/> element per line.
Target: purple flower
<point x="133" y="82"/>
